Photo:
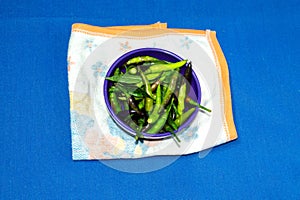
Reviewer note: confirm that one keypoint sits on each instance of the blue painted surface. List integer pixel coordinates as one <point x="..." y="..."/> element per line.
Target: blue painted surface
<point x="260" y="40"/>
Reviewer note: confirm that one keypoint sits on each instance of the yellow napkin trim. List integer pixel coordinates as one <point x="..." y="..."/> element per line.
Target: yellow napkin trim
<point x="112" y="30"/>
<point x="222" y="64"/>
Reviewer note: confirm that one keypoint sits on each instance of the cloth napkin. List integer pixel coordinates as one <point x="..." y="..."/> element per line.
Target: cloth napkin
<point x="96" y="136"/>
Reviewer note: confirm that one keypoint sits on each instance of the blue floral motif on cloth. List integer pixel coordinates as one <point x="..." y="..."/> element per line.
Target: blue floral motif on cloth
<point x="185" y="43"/>
<point x="189" y="134"/>
<point x="99" y="69"/>
<point x="79" y="125"/>
<point x="130" y="142"/>
<point x="89" y="45"/>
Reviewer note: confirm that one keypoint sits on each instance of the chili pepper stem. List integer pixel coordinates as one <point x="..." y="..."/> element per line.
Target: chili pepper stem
<point x="175" y="136"/>
<point x="138" y="135"/>
<point x="192" y="102"/>
<point x="146" y="82"/>
<point x="204" y="108"/>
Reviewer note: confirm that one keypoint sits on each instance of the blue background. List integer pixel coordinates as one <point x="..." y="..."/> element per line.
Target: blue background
<point x="260" y="40"/>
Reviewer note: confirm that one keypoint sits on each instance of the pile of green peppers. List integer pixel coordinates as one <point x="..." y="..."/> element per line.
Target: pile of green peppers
<point x="150" y="95"/>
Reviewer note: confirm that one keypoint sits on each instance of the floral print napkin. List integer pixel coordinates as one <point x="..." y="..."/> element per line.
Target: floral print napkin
<point x="93" y="49"/>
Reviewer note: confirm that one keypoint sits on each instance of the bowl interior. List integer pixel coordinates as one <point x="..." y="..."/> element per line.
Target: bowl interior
<point x="161" y="54"/>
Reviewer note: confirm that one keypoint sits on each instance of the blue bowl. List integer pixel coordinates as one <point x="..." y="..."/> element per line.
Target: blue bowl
<point x="162" y="55"/>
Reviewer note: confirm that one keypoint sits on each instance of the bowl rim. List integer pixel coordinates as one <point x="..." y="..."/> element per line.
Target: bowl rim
<point x="123" y="125"/>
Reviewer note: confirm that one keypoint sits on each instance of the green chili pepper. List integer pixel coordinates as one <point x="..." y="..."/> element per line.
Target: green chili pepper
<point x="112" y="89"/>
<point x="148" y="64"/>
<point x="132" y="70"/>
<point x="170" y="89"/>
<point x="154" y="96"/>
<point x="150" y="77"/>
<point x="155" y="84"/>
<point x="148" y="104"/>
<point x="123" y="90"/>
<point x="181" y="98"/>
<point x="140" y="59"/>
<point x="158" y="96"/>
<point x="137" y="93"/>
<point x="188" y="72"/>
<point x="175" y="110"/>
<point x="165" y="67"/>
<point x="194" y="103"/>
<point x="146" y="82"/>
<point x="122" y="98"/>
<point x="139" y="134"/>
<point x="186" y="79"/>
<point x="187" y="76"/>
<point x="132" y="105"/>
<point x="158" y="81"/>
<point x="125" y="105"/>
<point x="173" y="115"/>
<point x="131" y="102"/>
<point x="141" y="122"/>
<point x="172" y="123"/>
<point x="137" y="98"/>
<point x="169" y="129"/>
<point x="161" y="122"/>
<point x="141" y="104"/>
<point x="164" y="90"/>
<point x="131" y="79"/>
<point x="184" y="116"/>
<point x="114" y="78"/>
<point x="138" y="128"/>
<point x="117" y="71"/>
<point x="114" y="102"/>
<point x="162" y="76"/>
<point x="154" y="115"/>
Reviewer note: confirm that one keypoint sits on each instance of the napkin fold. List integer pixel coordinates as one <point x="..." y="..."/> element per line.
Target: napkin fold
<point x="96" y="136"/>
